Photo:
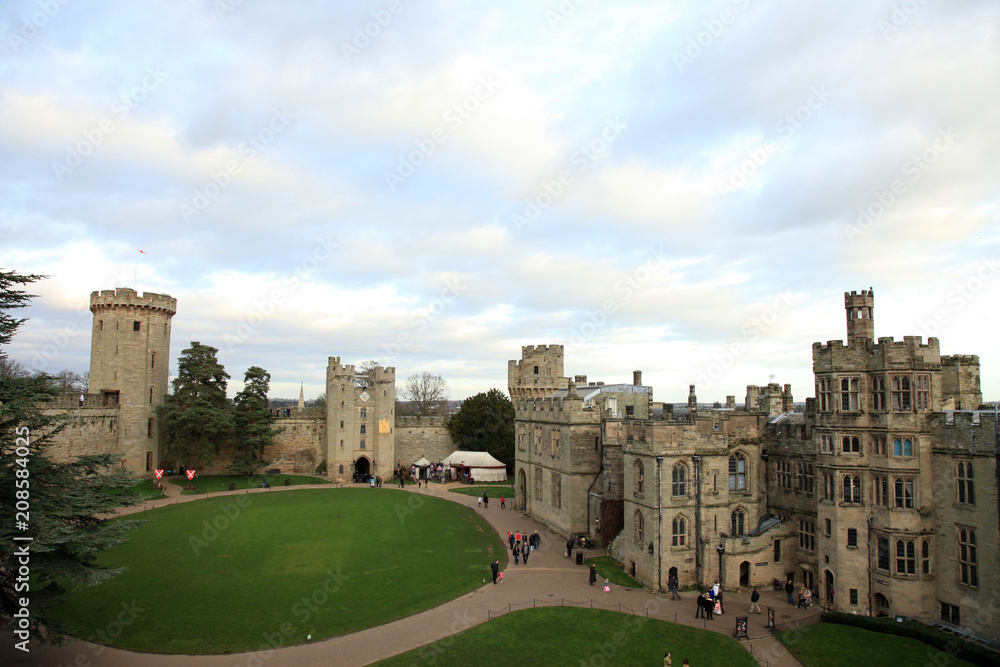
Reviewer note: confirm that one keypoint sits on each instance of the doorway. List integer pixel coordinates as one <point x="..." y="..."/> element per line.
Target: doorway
<point x="745" y="574"/>
<point x="362" y="470"/>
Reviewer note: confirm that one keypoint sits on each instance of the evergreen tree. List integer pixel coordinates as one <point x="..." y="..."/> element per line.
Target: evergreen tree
<point x="197" y="417"/>
<point x="485" y="422"/>
<point x="253" y="422"/>
<point x="52" y="527"/>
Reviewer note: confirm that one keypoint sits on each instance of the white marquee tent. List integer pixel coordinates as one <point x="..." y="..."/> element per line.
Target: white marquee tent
<point x="481" y="466"/>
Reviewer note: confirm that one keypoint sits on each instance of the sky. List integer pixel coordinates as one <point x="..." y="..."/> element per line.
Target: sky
<point x="682" y="188"/>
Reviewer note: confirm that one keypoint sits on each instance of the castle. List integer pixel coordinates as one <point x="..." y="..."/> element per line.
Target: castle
<point x="881" y="496"/>
<point x="357" y="432"/>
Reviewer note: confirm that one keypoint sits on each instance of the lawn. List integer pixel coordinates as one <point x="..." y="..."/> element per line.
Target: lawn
<point x="144" y="488"/>
<point x="835" y="645"/>
<point x="574" y="636"/>
<point x="492" y="492"/>
<point x="212" y="483"/>
<point x="610" y="569"/>
<point x="233" y="573"/>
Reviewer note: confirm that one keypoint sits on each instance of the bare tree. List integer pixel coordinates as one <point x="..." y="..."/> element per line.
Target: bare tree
<point x="70" y="381"/>
<point x="426" y="394"/>
<point x="10" y="369"/>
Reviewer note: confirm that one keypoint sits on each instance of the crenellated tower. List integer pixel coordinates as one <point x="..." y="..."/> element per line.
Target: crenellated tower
<point x="860" y="309"/>
<point x="129" y="367"/>
<point x="538" y="373"/>
<point x="360" y="420"/>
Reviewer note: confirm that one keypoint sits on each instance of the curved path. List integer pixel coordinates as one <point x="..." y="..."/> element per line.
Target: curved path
<point x="549" y="576"/>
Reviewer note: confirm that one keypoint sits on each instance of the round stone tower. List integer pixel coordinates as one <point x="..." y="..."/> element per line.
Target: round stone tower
<point x="129" y="367"/>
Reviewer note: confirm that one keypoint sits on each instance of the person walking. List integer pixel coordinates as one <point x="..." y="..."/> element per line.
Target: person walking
<point x="673" y="585"/>
<point x="569" y="548"/>
<point x="593" y="574"/>
<point x="517" y="554"/>
<point x="510" y="539"/>
<point x="503" y="500"/>
<point x="789" y="589"/>
<point x="699" y="611"/>
<point x="486" y="501"/>
<point x="524" y="552"/>
<point x="754" y="599"/>
<point x="495" y="566"/>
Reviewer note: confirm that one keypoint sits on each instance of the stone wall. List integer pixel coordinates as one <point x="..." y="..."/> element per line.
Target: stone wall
<point x="425" y="437"/>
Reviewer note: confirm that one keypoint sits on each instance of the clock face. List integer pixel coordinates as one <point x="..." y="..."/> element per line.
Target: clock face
<point x="365" y="396"/>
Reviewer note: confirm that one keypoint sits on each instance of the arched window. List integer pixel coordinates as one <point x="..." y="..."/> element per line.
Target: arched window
<point x="639" y="473"/>
<point x="737" y="472"/>
<point x="679" y="532"/>
<point x="341" y="470"/>
<point x="738" y="522"/>
<point x="637" y="518"/>
<point x="678" y="485"/>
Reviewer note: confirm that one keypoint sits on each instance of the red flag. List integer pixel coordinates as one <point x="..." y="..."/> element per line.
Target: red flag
<point x="142" y="251"/>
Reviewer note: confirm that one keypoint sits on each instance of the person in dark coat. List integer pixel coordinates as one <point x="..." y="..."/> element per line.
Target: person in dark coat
<point x="709" y="608"/>
<point x="524" y="552"/>
<point x="789" y="589"/>
<point x="699" y="611"/>
<point x="495" y="566"/>
<point x="593" y="574"/>
<point x="569" y="548"/>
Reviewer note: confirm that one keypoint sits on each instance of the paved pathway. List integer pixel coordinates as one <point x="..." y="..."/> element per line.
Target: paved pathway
<point x="548" y="578"/>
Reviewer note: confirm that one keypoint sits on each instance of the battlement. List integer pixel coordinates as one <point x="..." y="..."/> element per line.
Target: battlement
<point x="960" y="360"/>
<point x="386" y="374"/>
<point x="335" y="368"/>
<point x="530" y="350"/>
<point x="124" y="297"/>
<point x="862" y="298"/>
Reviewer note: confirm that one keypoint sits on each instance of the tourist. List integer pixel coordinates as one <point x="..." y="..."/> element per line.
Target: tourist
<point x="593" y="574"/>
<point x="495" y="566"/>
<point x="789" y="589"/>
<point x="524" y="552"/>
<point x="754" y="598"/>
<point x="666" y="659"/>
<point x="538" y="539"/>
<point x="805" y="597"/>
<point x="569" y="548"/>
<point x="672" y="585"/>
<point x="502" y="501"/>
<point x="699" y="611"/>
<point x="517" y="554"/>
<point x="517" y="538"/>
<point x="709" y="608"/>
<point x="480" y="501"/>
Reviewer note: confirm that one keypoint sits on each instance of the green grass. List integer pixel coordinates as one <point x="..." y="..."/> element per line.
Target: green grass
<point x="143" y="488"/>
<point x="227" y="573"/>
<point x="492" y="492"/>
<point x="574" y="636"/>
<point x="834" y="645"/>
<point x="610" y="569"/>
<point x="213" y="483"/>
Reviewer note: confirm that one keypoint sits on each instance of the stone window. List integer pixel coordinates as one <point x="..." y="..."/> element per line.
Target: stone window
<point x="678" y="480"/>
<point x="925" y="555"/>
<point x="150" y="395"/>
<point x="341" y="443"/>
<point x="878" y="445"/>
<point x="852" y="489"/>
<point x="149" y="461"/>
<point x="881" y="483"/>
<point x="556" y="489"/>
<point x="968" y="563"/>
<point x="678" y="532"/>
<point x="823" y="391"/>
<point x="341" y="423"/>
<point x="639" y="471"/>
<point x="538" y="483"/>
<point x="878" y="394"/>
<point x="854" y="596"/>
<point x="899" y="392"/>
<point x="538" y="439"/>
<point x="852" y="538"/>
<point x="536" y="370"/>
<point x="638" y="521"/>
<point x="950" y="613"/>
<point x="850" y="394"/>
<point x="152" y="359"/>
<point x="364" y="413"/>
<point x="906" y="557"/>
<point x="737" y="472"/>
<point x="902" y="447"/>
<point x="738" y="522"/>
<point x="828" y="486"/>
<point x="826" y="443"/>
<point x="851" y="444"/>
<point x="828" y="524"/>
<point x="362" y="445"/>
<point x="555" y="444"/>
<point x="341" y="469"/>
<point x="363" y="429"/>
<point x="903" y="492"/>
<point x="883" y="553"/>
<point x="137" y="326"/>
<point x="520" y="438"/>
<point x="777" y="551"/>
<point x="807" y="535"/>
<point x="629" y="410"/>
<point x="149" y="429"/>
<point x="806" y="477"/>
<point x="966" y="490"/>
<point x="783" y="475"/>
<point x="922" y="391"/>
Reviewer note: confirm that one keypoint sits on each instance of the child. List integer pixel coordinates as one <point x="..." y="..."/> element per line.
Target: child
<point x="607" y="586"/>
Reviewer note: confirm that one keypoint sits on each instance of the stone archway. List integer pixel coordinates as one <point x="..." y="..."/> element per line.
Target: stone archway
<point x="881" y="605"/>
<point x="522" y="490"/>
<point x="745" y="574"/>
<point x="362" y="470"/>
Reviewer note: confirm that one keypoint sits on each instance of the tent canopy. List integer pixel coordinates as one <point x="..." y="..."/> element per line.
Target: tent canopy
<point x="421" y="462"/>
<point x="482" y="466"/>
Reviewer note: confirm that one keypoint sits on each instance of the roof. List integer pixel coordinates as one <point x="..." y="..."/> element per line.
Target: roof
<point x="421" y="462"/>
<point x="472" y="460"/>
<point x="790" y="418"/>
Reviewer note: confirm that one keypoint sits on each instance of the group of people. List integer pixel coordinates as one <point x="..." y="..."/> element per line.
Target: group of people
<point x="521" y="545"/>
<point x="709" y="603"/>
<point x="484" y="501"/>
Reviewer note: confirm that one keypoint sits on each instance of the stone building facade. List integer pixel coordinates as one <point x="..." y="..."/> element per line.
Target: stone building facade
<point x="881" y="495"/>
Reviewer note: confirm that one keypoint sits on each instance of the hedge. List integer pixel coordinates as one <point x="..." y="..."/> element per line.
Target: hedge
<point x="950" y="644"/>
